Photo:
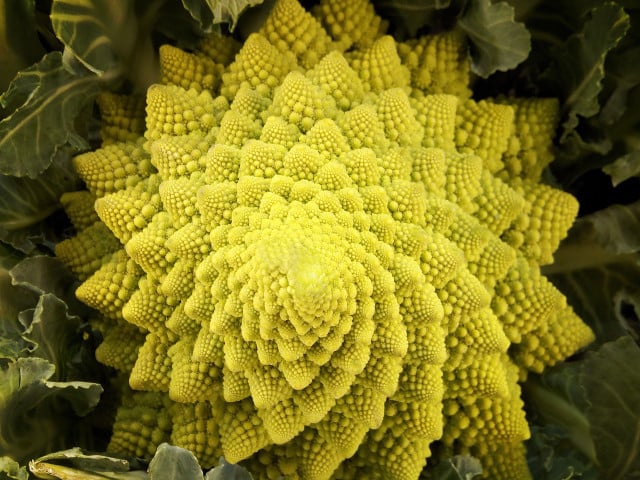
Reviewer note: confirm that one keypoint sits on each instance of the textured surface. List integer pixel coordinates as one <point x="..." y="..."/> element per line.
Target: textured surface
<point x="321" y="263"/>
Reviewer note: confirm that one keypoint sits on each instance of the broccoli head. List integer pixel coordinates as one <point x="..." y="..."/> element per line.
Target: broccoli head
<point x="321" y="258"/>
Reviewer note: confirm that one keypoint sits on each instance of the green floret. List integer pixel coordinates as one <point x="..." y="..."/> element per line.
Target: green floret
<point x="362" y="25"/>
<point x="321" y="257"/>
<point x="188" y="70"/>
<point x="121" y="117"/>
<point x="379" y="67"/>
<point x="438" y="63"/>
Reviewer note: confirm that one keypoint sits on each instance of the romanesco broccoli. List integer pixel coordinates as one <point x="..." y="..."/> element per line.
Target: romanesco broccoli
<point x="322" y="257"/>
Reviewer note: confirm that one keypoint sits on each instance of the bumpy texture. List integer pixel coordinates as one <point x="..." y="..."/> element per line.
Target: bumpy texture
<point x="321" y="264"/>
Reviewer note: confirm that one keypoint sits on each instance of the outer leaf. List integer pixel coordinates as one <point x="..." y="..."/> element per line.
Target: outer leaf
<point x="46" y="326"/>
<point x="408" y="16"/>
<point x="553" y="456"/>
<point x="74" y="464"/>
<point x="29" y="215"/>
<point x="31" y="420"/>
<point x="53" y="332"/>
<point x="46" y="276"/>
<point x="19" y="45"/>
<point x="627" y="308"/>
<point x="611" y="380"/>
<point x="176" y="23"/>
<point x="211" y="12"/>
<point x="228" y="471"/>
<point x="557" y="398"/>
<point x="616" y="228"/>
<point x="599" y="260"/>
<point x="99" y="32"/>
<point x="11" y="470"/>
<point x="13" y="300"/>
<point x="580" y="66"/>
<point x="95" y="462"/>
<point x="458" y="467"/>
<point x="498" y="41"/>
<point x="622" y="76"/>
<point x="624" y="168"/>
<point x="174" y="463"/>
<point x="26" y="202"/>
<point x="46" y="99"/>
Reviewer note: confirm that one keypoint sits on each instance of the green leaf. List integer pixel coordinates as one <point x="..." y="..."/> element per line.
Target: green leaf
<point x="13" y="300"/>
<point x="45" y="275"/>
<point x="627" y="309"/>
<point x="622" y="75"/>
<point x="174" y="463"/>
<point x="458" y="467"/>
<point x="408" y="16"/>
<point x="11" y="470"/>
<point x="19" y="45"/>
<point x="552" y="455"/>
<point x="177" y="24"/>
<point x="228" y="471"/>
<point x="580" y="66"/>
<point x="45" y="100"/>
<point x="32" y="418"/>
<point x="624" y="168"/>
<point x="600" y="259"/>
<point x="611" y="380"/>
<point x="53" y="332"/>
<point x="25" y="202"/>
<point x="616" y="228"/>
<point x="211" y="12"/>
<point x="557" y="398"/>
<point x="498" y="42"/>
<point x="100" y="33"/>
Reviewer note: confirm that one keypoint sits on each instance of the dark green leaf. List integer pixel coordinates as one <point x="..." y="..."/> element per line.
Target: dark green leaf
<point x="13" y="300"/>
<point x="26" y="202"/>
<point x="175" y="23"/>
<point x="624" y="167"/>
<point x="211" y="12"/>
<point x="627" y="308"/>
<point x="557" y="398"/>
<point x="99" y="32"/>
<point x="174" y="463"/>
<point x="46" y="276"/>
<point x="498" y="41"/>
<point x="611" y="380"/>
<point x="19" y="45"/>
<point x="591" y="291"/>
<point x="616" y="228"/>
<point x="598" y="260"/>
<point x="32" y="418"/>
<point x="44" y="100"/>
<point x="228" y="471"/>
<point x="408" y="16"/>
<point x="53" y="332"/>
<point x="458" y="467"/>
<point x="580" y="65"/>
<point x="552" y="455"/>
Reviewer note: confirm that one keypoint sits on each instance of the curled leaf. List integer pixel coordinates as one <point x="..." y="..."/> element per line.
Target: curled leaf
<point x="174" y="463"/>
<point x="498" y="41"/>
<point x="612" y="383"/>
<point x="45" y="100"/>
<point x="211" y="12"/>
